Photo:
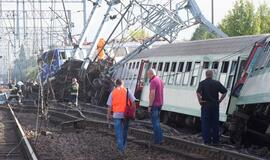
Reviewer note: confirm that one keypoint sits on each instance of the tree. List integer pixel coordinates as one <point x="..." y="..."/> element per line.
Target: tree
<point x="241" y="20"/>
<point x="138" y="35"/>
<point x="264" y="15"/>
<point x="202" y="33"/>
<point x="25" y="68"/>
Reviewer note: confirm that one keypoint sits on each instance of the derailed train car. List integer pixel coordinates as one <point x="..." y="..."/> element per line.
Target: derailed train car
<point x="251" y="116"/>
<point x="182" y="66"/>
<point x="238" y="63"/>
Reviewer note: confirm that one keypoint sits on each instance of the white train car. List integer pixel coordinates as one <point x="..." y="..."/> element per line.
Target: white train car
<point x="182" y="66"/>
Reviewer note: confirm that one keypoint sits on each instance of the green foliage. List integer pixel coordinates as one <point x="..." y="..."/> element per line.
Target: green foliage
<point x="264" y="15"/>
<point x="138" y="35"/>
<point x="243" y="19"/>
<point x="31" y="73"/>
<point x="201" y="33"/>
<point x="24" y="68"/>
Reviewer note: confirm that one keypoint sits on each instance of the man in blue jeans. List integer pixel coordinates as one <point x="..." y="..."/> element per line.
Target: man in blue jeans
<point x="208" y="97"/>
<point x="117" y="103"/>
<point x="155" y="104"/>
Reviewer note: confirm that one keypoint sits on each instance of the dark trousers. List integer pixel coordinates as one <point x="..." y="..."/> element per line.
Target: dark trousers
<point x="73" y="99"/>
<point x="210" y="123"/>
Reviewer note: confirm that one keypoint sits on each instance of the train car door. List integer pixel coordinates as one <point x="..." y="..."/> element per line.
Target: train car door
<point x="144" y="66"/>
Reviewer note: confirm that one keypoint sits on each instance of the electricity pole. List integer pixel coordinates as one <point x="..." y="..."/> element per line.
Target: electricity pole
<point x="212" y="5"/>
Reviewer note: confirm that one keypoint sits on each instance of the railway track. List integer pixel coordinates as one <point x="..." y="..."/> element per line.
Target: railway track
<point x="184" y="148"/>
<point x="14" y="144"/>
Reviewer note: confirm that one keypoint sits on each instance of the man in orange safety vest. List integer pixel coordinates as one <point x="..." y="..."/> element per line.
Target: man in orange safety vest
<point x="117" y="103"/>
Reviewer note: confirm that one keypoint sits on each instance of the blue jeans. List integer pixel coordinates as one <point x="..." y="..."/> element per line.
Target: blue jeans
<point x="121" y="132"/>
<point x="210" y="123"/>
<point x="155" y="118"/>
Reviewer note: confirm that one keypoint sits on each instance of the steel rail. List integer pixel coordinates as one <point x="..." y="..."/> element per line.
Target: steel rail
<point x="24" y="140"/>
<point x="172" y="144"/>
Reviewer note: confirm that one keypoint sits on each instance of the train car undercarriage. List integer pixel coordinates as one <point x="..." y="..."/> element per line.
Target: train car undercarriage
<point x="250" y="124"/>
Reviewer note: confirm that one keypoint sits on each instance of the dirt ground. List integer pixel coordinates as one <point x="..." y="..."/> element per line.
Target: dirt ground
<point x="85" y="144"/>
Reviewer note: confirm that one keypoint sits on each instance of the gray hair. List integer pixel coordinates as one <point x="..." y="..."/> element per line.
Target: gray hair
<point x="209" y="73"/>
<point x="153" y="71"/>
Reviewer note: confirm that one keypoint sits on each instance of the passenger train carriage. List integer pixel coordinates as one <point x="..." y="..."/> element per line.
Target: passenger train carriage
<point x="182" y="66"/>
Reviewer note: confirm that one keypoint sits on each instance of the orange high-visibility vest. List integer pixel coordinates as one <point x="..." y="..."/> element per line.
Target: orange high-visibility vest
<point x="100" y="48"/>
<point x="119" y="96"/>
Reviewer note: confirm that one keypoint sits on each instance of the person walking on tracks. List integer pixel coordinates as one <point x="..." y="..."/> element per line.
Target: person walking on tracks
<point x="74" y="92"/>
<point x="155" y="104"/>
<point x="117" y="103"/>
<point x="208" y="97"/>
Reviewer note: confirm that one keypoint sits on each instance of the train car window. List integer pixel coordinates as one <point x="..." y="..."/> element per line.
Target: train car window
<point x="266" y="56"/>
<point x="166" y="68"/>
<point x="232" y="74"/>
<point x="260" y="58"/>
<point x="63" y="55"/>
<point x="215" y="65"/>
<point x="172" y="73"/>
<point x="195" y="74"/>
<point x="268" y="53"/>
<point x="126" y="71"/>
<point x="160" y="66"/>
<point x="137" y="65"/>
<point x="154" y="66"/>
<point x="180" y="67"/>
<point x="173" y="68"/>
<point x="223" y="72"/>
<point x="165" y="72"/>
<point x="188" y="67"/>
<point x="225" y="66"/>
<point x="179" y="74"/>
<point x="187" y="73"/>
<point x="206" y="65"/>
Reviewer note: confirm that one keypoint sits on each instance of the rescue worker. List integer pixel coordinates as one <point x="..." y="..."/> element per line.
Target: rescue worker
<point x="117" y="103"/>
<point x="155" y="104"/>
<point x="208" y="97"/>
<point x="100" y="49"/>
<point x="13" y="87"/>
<point x="74" y="92"/>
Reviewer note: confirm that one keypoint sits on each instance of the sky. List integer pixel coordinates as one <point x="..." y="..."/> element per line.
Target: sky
<point x="221" y="8"/>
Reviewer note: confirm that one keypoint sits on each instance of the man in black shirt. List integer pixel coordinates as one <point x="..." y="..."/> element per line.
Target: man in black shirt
<point x="208" y="97"/>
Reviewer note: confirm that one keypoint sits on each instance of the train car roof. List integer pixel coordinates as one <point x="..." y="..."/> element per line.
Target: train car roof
<point x="204" y="47"/>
